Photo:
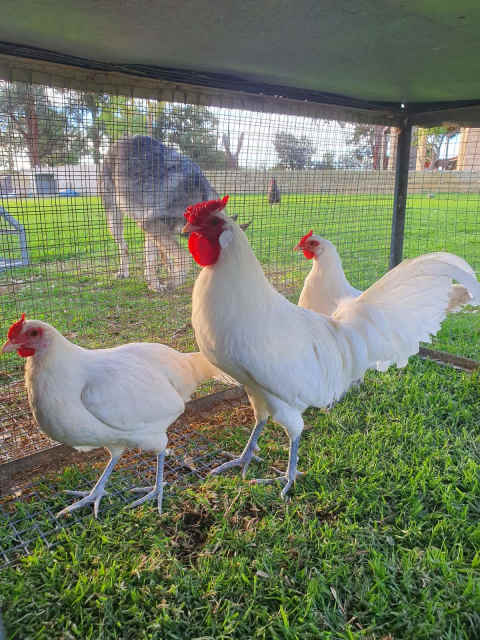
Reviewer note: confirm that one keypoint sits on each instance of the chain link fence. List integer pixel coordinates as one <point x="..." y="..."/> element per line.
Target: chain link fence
<point x="97" y="182"/>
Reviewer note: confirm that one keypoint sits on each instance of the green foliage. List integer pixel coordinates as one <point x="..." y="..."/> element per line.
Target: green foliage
<point x="434" y="140"/>
<point x="194" y="130"/>
<point x="293" y="152"/>
<point x="32" y="123"/>
<point x="328" y="161"/>
<point x="368" y="147"/>
<point x="121" y="116"/>
<point x="92" y="115"/>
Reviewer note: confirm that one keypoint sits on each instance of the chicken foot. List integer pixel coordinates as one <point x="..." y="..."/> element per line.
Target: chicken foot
<point x="292" y="473"/>
<point x="155" y="491"/>
<point x="95" y="495"/>
<point x="246" y="456"/>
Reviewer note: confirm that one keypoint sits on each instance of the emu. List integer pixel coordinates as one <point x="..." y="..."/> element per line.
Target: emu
<point x="153" y="183"/>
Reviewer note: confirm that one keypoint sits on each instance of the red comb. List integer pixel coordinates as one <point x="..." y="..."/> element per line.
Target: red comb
<point x="196" y="212"/>
<point x="16" y="328"/>
<point x="305" y="237"/>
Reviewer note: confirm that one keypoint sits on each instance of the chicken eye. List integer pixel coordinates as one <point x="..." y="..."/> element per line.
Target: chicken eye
<point x="34" y="333"/>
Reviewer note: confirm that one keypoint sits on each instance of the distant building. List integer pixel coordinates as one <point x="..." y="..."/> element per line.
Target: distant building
<point x="469" y="150"/>
<point x="44" y="181"/>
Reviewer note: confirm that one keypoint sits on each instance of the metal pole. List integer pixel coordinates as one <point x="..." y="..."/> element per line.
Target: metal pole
<point x="400" y="199"/>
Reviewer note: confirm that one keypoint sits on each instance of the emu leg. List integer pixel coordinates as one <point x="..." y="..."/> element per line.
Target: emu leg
<point x="178" y="262"/>
<point x="115" y="224"/>
<point x="151" y="263"/>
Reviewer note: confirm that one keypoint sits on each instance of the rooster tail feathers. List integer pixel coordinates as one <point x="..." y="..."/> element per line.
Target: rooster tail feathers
<point x="407" y="306"/>
<point x="415" y="275"/>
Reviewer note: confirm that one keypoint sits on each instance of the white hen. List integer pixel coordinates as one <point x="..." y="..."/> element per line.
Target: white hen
<point x="116" y="398"/>
<point x="326" y="284"/>
<point x="289" y="358"/>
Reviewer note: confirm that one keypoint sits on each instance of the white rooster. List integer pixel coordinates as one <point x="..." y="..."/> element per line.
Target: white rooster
<point x="289" y="358"/>
<point x="326" y="285"/>
<point x="116" y="398"/>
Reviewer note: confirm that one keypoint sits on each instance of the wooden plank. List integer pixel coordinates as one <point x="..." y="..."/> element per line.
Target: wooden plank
<point x="450" y="359"/>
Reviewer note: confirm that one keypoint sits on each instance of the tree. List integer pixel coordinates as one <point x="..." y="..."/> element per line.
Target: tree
<point x="194" y="130"/>
<point x="370" y="144"/>
<point x="31" y="123"/>
<point x="105" y="118"/>
<point x="433" y="139"/>
<point x="232" y="158"/>
<point x="293" y="152"/>
<point x="327" y="161"/>
<point x="356" y="158"/>
<point x="92" y="117"/>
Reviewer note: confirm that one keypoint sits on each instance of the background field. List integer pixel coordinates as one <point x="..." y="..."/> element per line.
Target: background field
<point x="71" y="282"/>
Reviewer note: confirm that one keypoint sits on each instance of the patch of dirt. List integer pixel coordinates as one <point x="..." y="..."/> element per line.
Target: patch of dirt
<point x="190" y="531"/>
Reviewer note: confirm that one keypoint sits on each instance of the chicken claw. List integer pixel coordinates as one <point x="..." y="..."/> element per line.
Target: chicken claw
<point x="155" y="491"/>
<point x="89" y="497"/>
<point x="292" y="473"/>
<point x="285" y="479"/>
<point x="246" y="456"/>
<point x="95" y="495"/>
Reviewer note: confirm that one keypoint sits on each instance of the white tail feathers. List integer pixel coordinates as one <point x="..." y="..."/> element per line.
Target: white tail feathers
<point x="407" y="306"/>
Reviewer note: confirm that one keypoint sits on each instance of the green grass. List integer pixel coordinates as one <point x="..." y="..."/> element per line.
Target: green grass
<point x="381" y="538"/>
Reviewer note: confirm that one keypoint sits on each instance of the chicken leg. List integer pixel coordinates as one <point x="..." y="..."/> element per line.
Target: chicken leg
<point x="155" y="491"/>
<point x="292" y="473"/>
<point x="95" y="495"/>
<point x="246" y="456"/>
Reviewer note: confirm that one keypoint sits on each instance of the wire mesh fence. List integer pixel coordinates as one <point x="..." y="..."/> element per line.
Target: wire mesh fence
<point x="99" y="181"/>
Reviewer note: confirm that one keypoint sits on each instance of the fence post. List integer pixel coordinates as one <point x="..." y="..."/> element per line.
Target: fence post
<point x="400" y="198"/>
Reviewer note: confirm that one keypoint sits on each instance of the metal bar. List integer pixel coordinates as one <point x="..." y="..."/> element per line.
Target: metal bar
<point x="450" y="359"/>
<point x="22" y="239"/>
<point x="400" y="198"/>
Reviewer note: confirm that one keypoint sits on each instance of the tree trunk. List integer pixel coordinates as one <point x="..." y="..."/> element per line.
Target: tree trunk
<point x="32" y="132"/>
<point x="377" y="146"/>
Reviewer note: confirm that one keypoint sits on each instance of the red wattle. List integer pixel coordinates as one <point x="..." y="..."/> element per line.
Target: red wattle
<point x="308" y="254"/>
<point x="204" y="251"/>
<point x="25" y="352"/>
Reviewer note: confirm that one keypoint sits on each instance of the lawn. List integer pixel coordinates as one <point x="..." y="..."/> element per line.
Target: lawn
<point x="381" y="538"/>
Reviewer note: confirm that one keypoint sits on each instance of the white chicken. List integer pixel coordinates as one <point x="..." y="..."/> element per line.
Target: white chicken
<point x="326" y="285"/>
<point x="116" y="398"/>
<point x="289" y="358"/>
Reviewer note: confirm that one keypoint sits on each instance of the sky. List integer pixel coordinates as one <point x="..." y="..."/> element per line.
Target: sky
<point x="260" y="129"/>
